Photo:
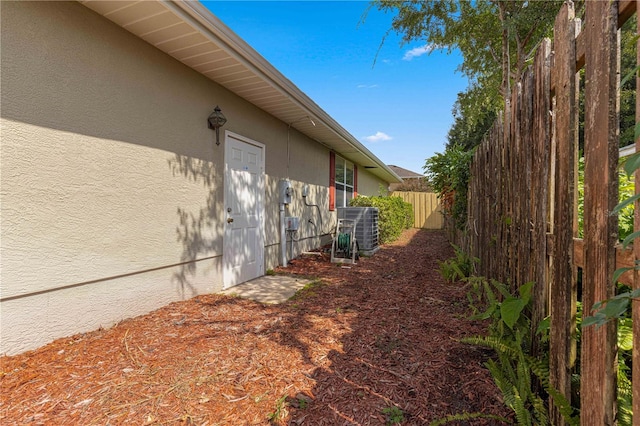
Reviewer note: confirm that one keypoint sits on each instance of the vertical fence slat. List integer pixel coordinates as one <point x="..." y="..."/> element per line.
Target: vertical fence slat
<point x="515" y="140"/>
<point x="598" y="383"/>
<point x="503" y="238"/>
<point x="540" y="146"/>
<point x="563" y="295"/>
<point x="510" y="275"/>
<point x="635" y="310"/>
<point x="521" y="185"/>
<point x="527" y="184"/>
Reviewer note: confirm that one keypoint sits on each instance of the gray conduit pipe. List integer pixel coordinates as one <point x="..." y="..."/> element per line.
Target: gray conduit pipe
<point x="283" y="238"/>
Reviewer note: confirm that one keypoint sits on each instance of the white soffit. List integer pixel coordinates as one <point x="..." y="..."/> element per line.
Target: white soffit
<point x="188" y="31"/>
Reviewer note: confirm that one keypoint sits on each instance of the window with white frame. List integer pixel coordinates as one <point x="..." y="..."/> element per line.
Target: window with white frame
<point x="344" y="182"/>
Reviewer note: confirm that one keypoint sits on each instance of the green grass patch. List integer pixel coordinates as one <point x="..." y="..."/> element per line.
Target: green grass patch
<point x="308" y="290"/>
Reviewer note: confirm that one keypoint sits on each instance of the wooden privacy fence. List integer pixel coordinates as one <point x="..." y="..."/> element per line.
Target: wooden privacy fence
<point x="427" y="211"/>
<point x="522" y="201"/>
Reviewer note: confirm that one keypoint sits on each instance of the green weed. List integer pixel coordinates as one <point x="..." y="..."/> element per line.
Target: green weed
<point x="280" y="411"/>
<point x="302" y="403"/>
<point x="468" y="416"/>
<point x="514" y="369"/>
<point x="308" y="290"/>
<point x="394" y="415"/>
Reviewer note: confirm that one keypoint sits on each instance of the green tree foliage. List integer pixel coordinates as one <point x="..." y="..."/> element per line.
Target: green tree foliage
<point x="628" y="69"/>
<point x="626" y="190"/>
<point x="496" y="38"/>
<point x="467" y="133"/>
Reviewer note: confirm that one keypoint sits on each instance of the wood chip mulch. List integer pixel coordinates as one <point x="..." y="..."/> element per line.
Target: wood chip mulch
<point x="368" y="344"/>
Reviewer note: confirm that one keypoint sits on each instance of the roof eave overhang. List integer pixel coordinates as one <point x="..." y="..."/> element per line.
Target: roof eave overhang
<point x="197" y="33"/>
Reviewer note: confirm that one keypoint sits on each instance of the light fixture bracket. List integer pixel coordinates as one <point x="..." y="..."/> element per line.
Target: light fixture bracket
<point x="215" y="121"/>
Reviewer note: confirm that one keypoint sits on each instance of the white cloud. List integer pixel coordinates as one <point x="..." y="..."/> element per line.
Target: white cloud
<point x="378" y="137"/>
<point x="367" y="86"/>
<point x="418" y="51"/>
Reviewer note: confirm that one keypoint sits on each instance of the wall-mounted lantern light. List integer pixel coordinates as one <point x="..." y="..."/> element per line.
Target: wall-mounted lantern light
<point x="215" y="121"/>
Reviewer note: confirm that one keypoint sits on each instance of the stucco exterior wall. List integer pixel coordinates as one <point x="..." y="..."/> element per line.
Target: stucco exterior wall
<point x="110" y="179"/>
<point x="111" y="184"/>
<point x="104" y="159"/>
<point x="369" y="184"/>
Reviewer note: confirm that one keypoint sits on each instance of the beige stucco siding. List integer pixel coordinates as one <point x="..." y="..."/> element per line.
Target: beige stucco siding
<point x="76" y="208"/>
<point x="307" y="163"/>
<point x="368" y="184"/>
<point x="107" y="166"/>
<point x="111" y="184"/>
<point x="28" y="323"/>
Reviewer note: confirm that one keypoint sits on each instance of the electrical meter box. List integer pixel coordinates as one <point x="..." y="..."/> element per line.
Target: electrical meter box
<point x="292" y="223"/>
<point x="285" y="191"/>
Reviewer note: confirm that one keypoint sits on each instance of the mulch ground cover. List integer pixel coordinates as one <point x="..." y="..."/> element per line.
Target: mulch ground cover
<point x="366" y="344"/>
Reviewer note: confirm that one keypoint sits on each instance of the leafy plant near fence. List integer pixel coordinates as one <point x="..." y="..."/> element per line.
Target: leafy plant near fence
<point x="626" y="189"/>
<point x="459" y="267"/>
<point x="515" y="371"/>
<point x="509" y="336"/>
<point x="394" y="215"/>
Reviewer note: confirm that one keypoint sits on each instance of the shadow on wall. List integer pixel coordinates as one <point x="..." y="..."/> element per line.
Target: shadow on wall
<point x="272" y="211"/>
<point x="313" y="224"/>
<point x="199" y="232"/>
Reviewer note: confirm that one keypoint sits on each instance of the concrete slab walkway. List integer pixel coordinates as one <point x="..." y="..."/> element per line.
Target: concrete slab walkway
<point x="271" y="289"/>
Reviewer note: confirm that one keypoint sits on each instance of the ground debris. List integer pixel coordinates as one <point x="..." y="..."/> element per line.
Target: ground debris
<point x="379" y="335"/>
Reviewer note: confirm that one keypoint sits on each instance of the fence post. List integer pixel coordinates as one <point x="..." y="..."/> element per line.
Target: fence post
<point x="598" y="360"/>
<point x="563" y="290"/>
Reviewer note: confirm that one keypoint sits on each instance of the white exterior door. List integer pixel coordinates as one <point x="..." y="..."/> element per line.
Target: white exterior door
<point x="243" y="244"/>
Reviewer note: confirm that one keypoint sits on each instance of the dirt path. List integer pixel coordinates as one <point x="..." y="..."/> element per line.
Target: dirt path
<point x="370" y="343"/>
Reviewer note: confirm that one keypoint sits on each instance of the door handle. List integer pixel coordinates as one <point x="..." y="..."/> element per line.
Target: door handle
<point x="229" y="220"/>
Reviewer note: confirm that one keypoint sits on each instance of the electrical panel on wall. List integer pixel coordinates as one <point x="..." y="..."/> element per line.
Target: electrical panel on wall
<point x="292" y="223"/>
<point x="286" y="191"/>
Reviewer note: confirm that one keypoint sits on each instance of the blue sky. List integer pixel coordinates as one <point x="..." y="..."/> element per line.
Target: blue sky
<point x="397" y="104"/>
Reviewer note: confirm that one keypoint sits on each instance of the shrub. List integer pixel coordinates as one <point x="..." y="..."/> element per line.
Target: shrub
<point x="448" y="174"/>
<point x="394" y="215"/>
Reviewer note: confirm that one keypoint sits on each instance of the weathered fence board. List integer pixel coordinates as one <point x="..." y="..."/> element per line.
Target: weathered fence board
<point x="540" y="156"/>
<point x="563" y="290"/>
<point x="600" y="197"/>
<point x="624" y="259"/>
<point x="523" y="201"/>
<point x="427" y="210"/>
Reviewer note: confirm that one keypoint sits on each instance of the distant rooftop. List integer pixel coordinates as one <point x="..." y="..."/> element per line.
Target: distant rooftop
<point x="404" y="173"/>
